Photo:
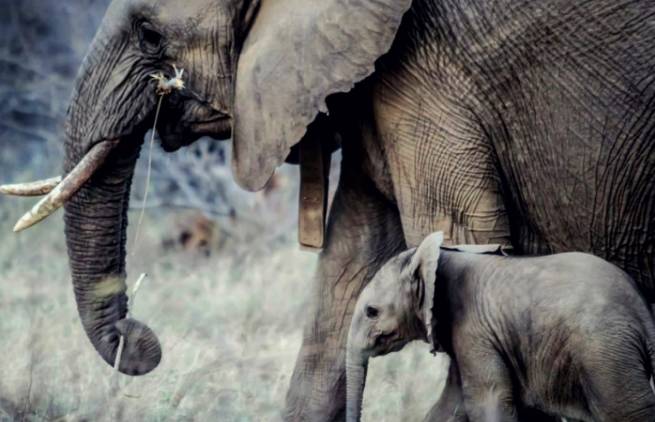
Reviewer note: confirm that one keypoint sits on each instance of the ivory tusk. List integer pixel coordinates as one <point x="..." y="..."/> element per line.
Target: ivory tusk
<point x="68" y="186"/>
<point x="38" y="188"/>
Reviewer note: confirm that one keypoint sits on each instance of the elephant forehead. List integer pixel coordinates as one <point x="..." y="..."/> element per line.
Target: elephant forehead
<point x="385" y="286"/>
<point x="201" y="11"/>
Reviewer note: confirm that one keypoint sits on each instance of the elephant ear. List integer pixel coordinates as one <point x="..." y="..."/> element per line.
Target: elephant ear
<point x="423" y="269"/>
<point x="296" y="54"/>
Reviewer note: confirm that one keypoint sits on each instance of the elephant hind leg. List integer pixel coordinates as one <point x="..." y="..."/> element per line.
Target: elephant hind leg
<point x="635" y="408"/>
<point x="622" y="395"/>
<point x="638" y="406"/>
<point x="363" y="232"/>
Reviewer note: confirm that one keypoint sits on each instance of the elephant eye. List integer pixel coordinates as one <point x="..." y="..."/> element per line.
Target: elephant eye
<point x="149" y="39"/>
<point x="372" y="312"/>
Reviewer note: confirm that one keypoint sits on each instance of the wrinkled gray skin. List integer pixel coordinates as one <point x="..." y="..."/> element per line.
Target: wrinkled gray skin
<point x="517" y="122"/>
<point x="568" y="334"/>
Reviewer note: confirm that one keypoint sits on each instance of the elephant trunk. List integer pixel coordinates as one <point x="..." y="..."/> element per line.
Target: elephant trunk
<point x="107" y="105"/>
<point x="356" y="368"/>
<point x="96" y="223"/>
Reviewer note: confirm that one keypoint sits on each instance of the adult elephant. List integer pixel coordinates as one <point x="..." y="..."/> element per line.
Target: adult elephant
<point x="526" y="123"/>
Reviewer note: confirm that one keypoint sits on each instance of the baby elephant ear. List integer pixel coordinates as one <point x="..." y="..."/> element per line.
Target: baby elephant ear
<point x="424" y="265"/>
<point x="296" y="54"/>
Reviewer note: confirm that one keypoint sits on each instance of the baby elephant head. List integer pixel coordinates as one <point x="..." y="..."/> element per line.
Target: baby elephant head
<point x="392" y="310"/>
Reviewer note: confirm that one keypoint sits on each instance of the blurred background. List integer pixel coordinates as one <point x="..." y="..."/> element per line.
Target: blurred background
<point x="227" y="288"/>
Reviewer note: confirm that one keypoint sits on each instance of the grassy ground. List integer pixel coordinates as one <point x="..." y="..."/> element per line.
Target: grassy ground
<point x="230" y="328"/>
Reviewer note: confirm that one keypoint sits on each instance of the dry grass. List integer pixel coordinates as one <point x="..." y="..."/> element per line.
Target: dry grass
<point x="229" y="327"/>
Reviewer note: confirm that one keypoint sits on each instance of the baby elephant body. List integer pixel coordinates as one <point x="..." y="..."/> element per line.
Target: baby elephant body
<point x="567" y="335"/>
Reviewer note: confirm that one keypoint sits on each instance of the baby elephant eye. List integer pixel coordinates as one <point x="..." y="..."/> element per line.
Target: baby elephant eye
<point x="371" y="312"/>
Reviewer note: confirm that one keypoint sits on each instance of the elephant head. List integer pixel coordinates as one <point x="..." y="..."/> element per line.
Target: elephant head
<point x="396" y="307"/>
<point x="114" y="102"/>
<point x="257" y="71"/>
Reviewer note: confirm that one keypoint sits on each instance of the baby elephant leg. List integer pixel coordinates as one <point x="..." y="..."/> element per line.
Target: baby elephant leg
<point x="622" y="395"/>
<point x="450" y="407"/>
<point x="487" y="388"/>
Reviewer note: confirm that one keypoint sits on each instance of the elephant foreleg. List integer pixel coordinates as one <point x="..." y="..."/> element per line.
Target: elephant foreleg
<point x="486" y="385"/>
<point x="450" y="406"/>
<point x="364" y="230"/>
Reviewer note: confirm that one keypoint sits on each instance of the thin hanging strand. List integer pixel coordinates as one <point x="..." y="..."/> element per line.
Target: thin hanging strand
<point x="164" y="87"/>
<point x="121" y="340"/>
<point x="148" y="175"/>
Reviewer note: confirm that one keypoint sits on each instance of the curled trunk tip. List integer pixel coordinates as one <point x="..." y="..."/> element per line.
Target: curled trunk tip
<point x="141" y="351"/>
<point x="100" y="304"/>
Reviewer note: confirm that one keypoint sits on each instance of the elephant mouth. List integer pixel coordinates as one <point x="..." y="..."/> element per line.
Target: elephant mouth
<point x="387" y="343"/>
<point x="178" y="134"/>
<point x="219" y="127"/>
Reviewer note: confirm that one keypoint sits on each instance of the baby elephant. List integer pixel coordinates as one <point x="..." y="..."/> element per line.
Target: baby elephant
<point x="567" y="334"/>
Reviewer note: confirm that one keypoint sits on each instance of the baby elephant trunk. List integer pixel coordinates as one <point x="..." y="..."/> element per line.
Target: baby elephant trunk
<point x="356" y="367"/>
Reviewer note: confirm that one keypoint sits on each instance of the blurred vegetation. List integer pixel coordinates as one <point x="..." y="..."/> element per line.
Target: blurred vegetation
<point x="228" y="287"/>
<point x="41" y="46"/>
